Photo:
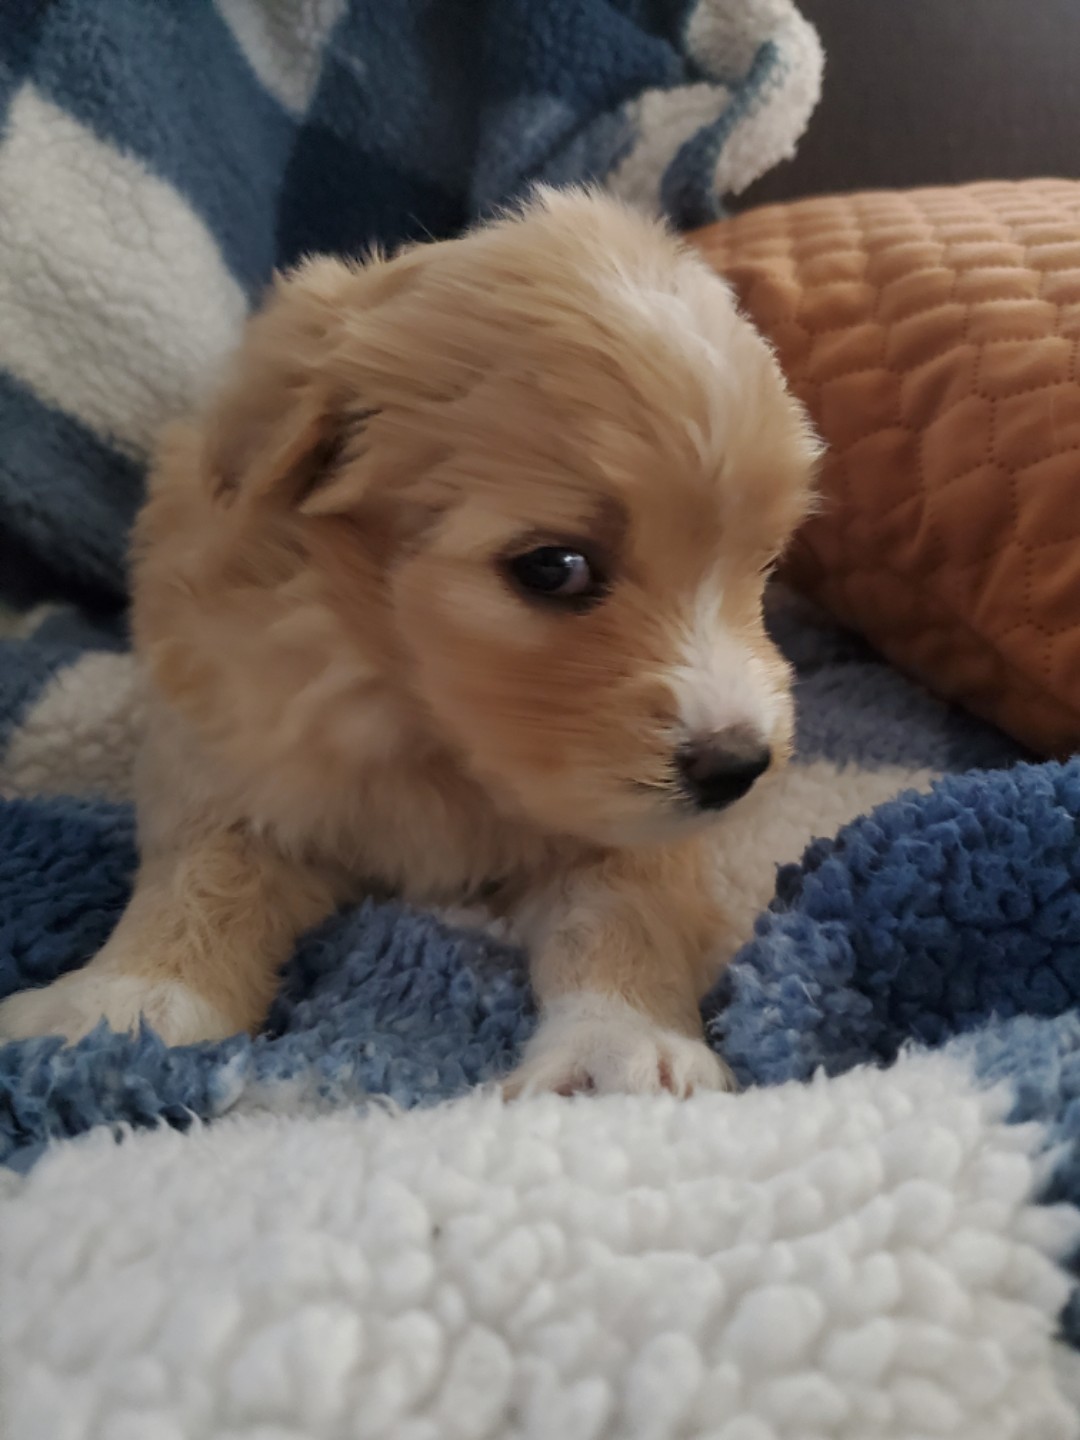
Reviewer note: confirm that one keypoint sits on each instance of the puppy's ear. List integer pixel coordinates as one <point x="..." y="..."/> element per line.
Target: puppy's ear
<point x="285" y="419"/>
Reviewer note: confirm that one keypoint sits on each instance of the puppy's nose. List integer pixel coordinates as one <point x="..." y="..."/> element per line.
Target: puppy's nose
<point x="719" y="769"/>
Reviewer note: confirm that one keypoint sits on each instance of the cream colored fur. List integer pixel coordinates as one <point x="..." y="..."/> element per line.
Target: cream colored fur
<point x="346" y="693"/>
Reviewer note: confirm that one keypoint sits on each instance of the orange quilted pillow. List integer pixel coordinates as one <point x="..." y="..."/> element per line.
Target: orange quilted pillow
<point x="933" y="335"/>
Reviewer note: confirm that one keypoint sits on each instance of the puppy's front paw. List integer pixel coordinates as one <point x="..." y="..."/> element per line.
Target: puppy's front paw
<point x="73" y="1005"/>
<point x="600" y="1043"/>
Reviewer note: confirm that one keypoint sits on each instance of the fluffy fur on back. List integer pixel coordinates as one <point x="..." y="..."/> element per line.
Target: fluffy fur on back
<point x="353" y="688"/>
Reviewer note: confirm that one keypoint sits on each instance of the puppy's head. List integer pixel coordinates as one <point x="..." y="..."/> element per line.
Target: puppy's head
<point x="542" y="472"/>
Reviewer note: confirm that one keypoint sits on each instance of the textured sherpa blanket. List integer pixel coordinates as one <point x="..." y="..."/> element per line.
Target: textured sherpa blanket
<point x="853" y="1259"/>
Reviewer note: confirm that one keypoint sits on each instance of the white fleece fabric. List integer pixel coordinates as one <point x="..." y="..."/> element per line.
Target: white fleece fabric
<point x="123" y="339"/>
<point x="858" y="1258"/>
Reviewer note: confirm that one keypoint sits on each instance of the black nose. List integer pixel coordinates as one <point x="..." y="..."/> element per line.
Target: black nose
<point x="720" y="769"/>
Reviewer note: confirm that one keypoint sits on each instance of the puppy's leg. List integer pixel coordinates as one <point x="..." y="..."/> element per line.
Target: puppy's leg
<point x="197" y="951"/>
<point x="620" y="960"/>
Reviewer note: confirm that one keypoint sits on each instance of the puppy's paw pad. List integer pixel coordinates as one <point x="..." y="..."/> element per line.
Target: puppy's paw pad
<point x="600" y="1044"/>
<point x="75" y="1004"/>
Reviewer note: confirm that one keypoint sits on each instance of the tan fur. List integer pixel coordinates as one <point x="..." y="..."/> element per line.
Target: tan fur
<point x="347" y="696"/>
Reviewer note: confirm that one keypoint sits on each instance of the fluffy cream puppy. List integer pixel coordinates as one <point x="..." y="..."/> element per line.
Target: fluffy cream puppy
<point x="455" y="592"/>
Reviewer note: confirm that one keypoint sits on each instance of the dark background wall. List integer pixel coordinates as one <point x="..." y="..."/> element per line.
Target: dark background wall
<point x="927" y="92"/>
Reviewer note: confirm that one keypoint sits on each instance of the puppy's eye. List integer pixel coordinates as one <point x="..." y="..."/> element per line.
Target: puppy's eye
<point x="557" y="574"/>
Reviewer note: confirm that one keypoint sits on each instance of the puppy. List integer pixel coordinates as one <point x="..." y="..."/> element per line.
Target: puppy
<point x="455" y="592"/>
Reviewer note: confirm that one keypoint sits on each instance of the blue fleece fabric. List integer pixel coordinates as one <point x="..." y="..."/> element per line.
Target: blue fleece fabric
<point x="932" y="918"/>
<point x="286" y="130"/>
<point x="919" y="922"/>
<point x="381" y="999"/>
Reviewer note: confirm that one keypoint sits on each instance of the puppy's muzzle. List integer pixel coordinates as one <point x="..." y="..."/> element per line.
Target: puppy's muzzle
<point x="716" y="770"/>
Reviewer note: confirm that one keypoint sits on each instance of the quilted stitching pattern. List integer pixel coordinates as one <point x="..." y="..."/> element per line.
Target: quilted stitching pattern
<point x="933" y="334"/>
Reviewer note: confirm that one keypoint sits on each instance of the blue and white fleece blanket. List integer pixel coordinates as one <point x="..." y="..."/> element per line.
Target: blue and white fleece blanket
<point x="877" y="1239"/>
<point x="158" y="161"/>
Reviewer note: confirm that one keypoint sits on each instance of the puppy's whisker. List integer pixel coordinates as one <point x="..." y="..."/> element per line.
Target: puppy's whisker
<point x="657" y="787"/>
